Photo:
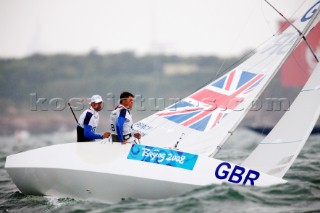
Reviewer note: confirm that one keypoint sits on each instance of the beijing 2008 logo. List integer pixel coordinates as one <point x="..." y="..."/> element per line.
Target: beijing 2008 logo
<point x="310" y="12"/>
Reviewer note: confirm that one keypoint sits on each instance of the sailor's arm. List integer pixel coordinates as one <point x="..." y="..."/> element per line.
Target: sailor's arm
<point x="87" y="126"/>
<point x="89" y="134"/>
<point x="119" y="124"/>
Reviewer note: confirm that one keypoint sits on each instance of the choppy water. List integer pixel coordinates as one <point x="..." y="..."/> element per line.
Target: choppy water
<point x="300" y="194"/>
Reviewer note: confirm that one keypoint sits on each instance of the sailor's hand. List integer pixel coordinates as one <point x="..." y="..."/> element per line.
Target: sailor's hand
<point x="137" y="135"/>
<point x="106" y="135"/>
<point x="125" y="142"/>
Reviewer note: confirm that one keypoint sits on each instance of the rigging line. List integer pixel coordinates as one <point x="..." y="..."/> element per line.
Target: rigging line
<point x="236" y="63"/>
<point x="283" y="17"/>
<point x="310" y="48"/>
<point x="233" y="65"/>
<point x="265" y="18"/>
<point x="252" y="52"/>
<point x="237" y="38"/>
<point x="290" y="18"/>
<point x="293" y="47"/>
<point x="300" y="66"/>
<point x="249" y="53"/>
<point x="178" y="141"/>
<point x="300" y="33"/>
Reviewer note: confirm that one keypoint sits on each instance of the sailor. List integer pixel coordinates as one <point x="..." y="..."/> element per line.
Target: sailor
<point x="121" y="120"/>
<point x="89" y="120"/>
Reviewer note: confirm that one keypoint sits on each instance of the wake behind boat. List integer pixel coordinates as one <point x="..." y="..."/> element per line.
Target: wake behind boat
<point x="201" y="123"/>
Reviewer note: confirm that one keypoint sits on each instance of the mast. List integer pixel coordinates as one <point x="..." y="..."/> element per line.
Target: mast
<point x="303" y="36"/>
<point x="293" y="47"/>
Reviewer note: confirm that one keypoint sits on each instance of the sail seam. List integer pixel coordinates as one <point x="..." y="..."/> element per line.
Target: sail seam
<point x="279" y="142"/>
<point x="310" y="90"/>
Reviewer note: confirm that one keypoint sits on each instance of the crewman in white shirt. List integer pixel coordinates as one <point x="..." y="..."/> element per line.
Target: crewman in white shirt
<point x="121" y="120"/>
<point x="89" y="120"/>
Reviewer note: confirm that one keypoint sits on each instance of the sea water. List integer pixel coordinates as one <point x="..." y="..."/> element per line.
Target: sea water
<point x="300" y="194"/>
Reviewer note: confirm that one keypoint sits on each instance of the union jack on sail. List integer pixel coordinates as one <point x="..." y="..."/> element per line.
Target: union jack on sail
<point x="204" y="109"/>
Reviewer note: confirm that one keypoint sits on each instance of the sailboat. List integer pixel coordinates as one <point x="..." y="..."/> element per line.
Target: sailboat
<point x="179" y="144"/>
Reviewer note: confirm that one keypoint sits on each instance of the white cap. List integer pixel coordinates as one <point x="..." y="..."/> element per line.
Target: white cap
<point x="96" y="99"/>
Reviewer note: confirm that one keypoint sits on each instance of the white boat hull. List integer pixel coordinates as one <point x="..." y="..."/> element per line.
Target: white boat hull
<point x="107" y="172"/>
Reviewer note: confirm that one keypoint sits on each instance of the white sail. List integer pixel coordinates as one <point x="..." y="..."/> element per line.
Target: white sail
<point x="203" y="121"/>
<point x="276" y="153"/>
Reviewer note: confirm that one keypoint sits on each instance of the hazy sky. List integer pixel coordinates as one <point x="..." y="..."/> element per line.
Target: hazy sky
<point x="184" y="27"/>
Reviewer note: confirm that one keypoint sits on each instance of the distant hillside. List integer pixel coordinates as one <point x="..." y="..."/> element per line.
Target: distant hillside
<point x="61" y="77"/>
<point x="70" y="75"/>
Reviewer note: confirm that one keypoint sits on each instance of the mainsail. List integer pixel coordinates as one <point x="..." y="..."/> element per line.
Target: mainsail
<point x="203" y="121"/>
